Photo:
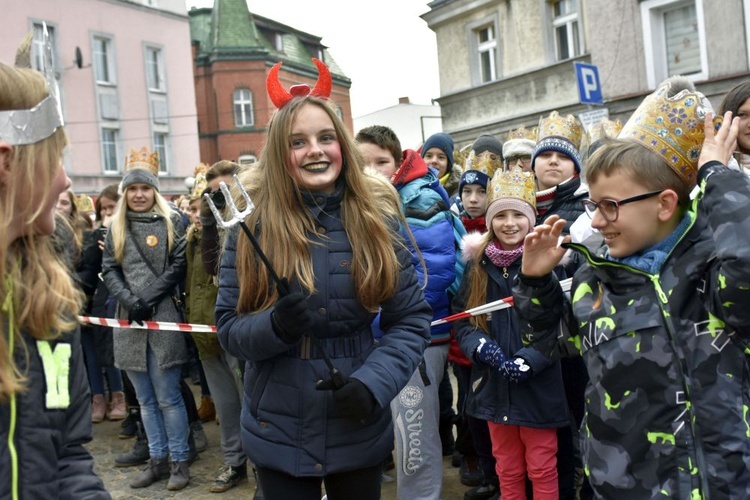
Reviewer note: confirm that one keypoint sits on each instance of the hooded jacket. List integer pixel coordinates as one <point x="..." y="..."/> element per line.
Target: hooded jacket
<point x="437" y="232"/>
<point x="288" y="425"/>
<point x="42" y="434"/>
<point x="666" y="353"/>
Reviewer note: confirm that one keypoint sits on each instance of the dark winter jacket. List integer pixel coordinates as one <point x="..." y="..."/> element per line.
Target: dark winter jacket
<point x="43" y="431"/>
<point x="567" y="202"/>
<point x="288" y="425"/>
<point x="133" y="279"/>
<point x="666" y="353"/>
<point x="538" y="402"/>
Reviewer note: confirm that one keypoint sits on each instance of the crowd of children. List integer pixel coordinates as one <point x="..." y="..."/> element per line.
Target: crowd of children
<point x="622" y="354"/>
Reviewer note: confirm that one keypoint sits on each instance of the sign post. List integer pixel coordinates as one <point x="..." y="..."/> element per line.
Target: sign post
<point x="589" y="88"/>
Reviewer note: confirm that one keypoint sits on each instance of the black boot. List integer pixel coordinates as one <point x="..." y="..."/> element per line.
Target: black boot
<point x="139" y="454"/>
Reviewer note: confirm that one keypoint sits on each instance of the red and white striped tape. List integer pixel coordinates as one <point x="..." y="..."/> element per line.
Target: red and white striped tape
<point x="490" y="307"/>
<point x="148" y="325"/>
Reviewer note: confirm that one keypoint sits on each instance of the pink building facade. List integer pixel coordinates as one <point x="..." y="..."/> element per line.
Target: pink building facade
<point x="126" y="76"/>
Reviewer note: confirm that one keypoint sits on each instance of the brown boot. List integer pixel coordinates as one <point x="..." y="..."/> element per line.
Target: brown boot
<point x="179" y="475"/>
<point x="98" y="408"/>
<point x="156" y="470"/>
<point x="207" y="410"/>
<point x="117" y="407"/>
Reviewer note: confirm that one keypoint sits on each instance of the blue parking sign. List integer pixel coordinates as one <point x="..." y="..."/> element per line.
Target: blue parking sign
<point x="589" y="88"/>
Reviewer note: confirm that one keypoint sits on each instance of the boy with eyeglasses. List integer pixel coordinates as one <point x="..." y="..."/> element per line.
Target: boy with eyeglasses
<point x="518" y="148"/>
<point x="660" y="314"/>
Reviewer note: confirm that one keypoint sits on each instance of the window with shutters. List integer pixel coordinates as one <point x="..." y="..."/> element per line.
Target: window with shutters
<point x="674" y="39"/>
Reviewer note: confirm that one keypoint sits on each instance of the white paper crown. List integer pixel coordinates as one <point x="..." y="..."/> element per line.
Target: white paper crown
<point x="27" y="126"/>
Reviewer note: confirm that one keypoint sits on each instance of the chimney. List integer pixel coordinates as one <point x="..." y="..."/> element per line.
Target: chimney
<point x="403" y="100"/>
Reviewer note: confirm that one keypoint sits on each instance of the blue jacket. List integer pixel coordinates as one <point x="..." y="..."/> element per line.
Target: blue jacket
<point x="538" y="402"/>
<point x="438" y="233"/>
<point x="289" y="426"/>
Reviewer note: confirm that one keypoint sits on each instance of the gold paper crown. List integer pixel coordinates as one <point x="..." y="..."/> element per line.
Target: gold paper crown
<point x="605" y="128"/>
<point x="523" y="133"/>
<point x="569" y="128"/>
<point x="143" y="159"/>
<point x="84" y="203"/>
<point x="671" y="127"/>
<point x="513" y="184"/>
<point x="486" y="162"/>
<point x="200" y="181"/>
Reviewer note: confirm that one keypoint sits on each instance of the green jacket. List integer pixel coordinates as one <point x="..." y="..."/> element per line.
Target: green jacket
<point x="200" y="294"/>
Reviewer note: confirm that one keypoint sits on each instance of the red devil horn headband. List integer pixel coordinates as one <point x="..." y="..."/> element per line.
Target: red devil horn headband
<point x="279" y="96"/>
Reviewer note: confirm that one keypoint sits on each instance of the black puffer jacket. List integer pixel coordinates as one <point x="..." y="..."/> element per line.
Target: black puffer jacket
<point x="43" y="431"/>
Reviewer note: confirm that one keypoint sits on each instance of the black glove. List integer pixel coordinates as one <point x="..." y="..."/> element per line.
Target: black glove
<point x="353" y="400"/>
<point x="205" y="210"/>
<point x="291" y="318"/>
<point x="140" y="312"/>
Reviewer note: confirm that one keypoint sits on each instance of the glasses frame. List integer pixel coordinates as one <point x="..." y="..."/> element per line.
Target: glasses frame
<point x="513" y="161"/>
<point x="617" y="203"/>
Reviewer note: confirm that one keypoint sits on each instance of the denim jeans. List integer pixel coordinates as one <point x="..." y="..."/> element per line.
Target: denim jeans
<point x="162" y="409"/>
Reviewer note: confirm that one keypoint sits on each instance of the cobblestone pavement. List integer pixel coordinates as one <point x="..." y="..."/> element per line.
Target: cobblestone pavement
<point x="106" y="446"/>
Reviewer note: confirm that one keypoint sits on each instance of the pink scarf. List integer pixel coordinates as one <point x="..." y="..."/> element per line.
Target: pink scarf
<point x="500" y="257"/>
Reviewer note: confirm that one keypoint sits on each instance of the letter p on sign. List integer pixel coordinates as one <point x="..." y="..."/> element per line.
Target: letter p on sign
<point x="589" y="89"/>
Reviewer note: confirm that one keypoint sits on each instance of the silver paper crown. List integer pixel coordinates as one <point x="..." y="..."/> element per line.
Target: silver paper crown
<point x="27" y="126"/>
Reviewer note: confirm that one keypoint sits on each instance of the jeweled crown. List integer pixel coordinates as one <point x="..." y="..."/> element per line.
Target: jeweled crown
<point x="671" y="127"/>
<point x="84" y="203"/>
<point x="523" y="133"/>
<point x="199" y="173"/>
<point x="143" y="159"/>
<point x="568" y="127"/>
<point x="513" y="183"/>
<point x="604" y="129"/>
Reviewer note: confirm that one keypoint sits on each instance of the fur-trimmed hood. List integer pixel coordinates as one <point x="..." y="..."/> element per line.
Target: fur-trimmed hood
<point x="472" y="246"/>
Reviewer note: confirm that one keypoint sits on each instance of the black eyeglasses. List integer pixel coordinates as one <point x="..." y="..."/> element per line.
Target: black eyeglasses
<point x="610" y="209"/>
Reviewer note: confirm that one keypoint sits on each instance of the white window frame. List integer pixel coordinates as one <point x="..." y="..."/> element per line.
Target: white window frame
<point x="746" y="12"/>
<point x="116" y="132"/>
<point x="37" y="49"/>
<point x="567" y="20"/>
<point x="652" y="16"/>
<point x="477" y="49"/>
<point x="162" y="149"/>
<point x="109" y="54"/>
<point x="246" y="117"/>
<point x="155" y="69"/>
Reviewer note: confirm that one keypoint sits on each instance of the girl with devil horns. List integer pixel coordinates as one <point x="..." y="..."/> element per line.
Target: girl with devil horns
<point x="331" y="230"/>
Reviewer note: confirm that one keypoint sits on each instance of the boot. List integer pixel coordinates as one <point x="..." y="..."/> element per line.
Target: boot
<point x="207" y="410"/>
<point x="179" y="475"/>
<point x="156" y="470"/>
<point x="201" y="442"/>
<point x="128" y="426"/>
<point x="117" y="407"/>
<point x="98" y="408"/>
<point x="139" y="454"/>
<point x="258" y="495"/>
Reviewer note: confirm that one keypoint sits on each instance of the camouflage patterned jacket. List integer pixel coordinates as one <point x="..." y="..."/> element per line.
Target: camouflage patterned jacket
<point x="668" y="399"/>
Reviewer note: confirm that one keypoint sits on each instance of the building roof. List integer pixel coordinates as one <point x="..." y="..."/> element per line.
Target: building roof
<point x="228" y="31"/>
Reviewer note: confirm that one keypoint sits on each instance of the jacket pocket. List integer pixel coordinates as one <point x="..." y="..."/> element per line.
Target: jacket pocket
<point x="257" y="381"/>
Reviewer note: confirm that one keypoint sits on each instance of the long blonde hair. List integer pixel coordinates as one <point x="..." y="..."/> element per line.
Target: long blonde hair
<point x="45" y="301"/>
<point x="119" y="226"/>
<point x="284" y="221"/>
<point x="477" y="279"/>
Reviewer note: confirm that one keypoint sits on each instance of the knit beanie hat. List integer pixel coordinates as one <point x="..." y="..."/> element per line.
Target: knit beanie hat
<point x="561" y="134"/>
<point x="442" y="141"/>
<point x="141" y="167"/>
